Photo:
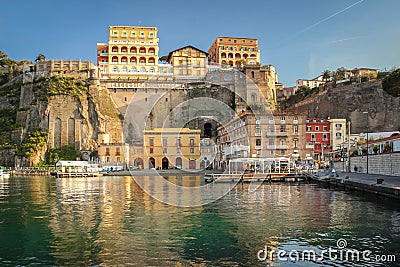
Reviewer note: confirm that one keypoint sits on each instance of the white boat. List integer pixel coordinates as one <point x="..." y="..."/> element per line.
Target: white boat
<point x="4" y="174"/>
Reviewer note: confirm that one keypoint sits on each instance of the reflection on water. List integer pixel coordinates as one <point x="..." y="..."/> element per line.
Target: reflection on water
<point x="110" y="221"/>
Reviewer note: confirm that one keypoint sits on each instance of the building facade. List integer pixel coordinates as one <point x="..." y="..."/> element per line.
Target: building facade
<point x="338" y="133"/>
<point x="278" y="134"/>
<point x="318" y="134"/>
<point x="131" y="51"/>
<point x="167" y="148"/>
<point x="266" y="78"/>
<point x="188" y="61"/>
<point x="361" y="72"/>
<point x="316" y="82"/>
<point x="234" y="51"/>
<point x="113" y="155"/>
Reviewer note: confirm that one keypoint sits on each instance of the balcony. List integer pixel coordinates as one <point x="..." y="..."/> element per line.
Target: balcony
<point x="257" y="147"/>
<point x="281" y="147"/>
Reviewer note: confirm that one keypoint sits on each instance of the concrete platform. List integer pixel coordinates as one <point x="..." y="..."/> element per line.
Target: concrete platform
<point x="381" y="185"/>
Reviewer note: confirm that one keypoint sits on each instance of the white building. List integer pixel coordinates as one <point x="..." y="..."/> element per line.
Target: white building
<point x="317" y="81"/>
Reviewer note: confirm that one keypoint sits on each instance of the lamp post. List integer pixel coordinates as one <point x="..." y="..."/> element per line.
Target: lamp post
<point x="348" y="146"/>
<point x="366" y="112"/>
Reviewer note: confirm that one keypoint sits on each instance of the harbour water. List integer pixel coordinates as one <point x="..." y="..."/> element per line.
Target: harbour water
<point x="110" y="221"/>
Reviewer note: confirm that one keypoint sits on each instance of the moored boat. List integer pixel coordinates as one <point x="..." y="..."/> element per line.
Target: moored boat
<point x="3" y="174"/>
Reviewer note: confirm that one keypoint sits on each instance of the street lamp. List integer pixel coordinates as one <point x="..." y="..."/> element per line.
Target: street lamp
<point x="366" y="112"/>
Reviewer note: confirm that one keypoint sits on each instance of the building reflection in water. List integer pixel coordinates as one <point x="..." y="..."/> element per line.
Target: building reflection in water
<point x="111" y="221"/>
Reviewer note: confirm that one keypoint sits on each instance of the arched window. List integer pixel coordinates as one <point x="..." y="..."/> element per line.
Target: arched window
<point x="253" y="98"/>
<point x="151" y="69"/>
<point x="252" y="74"/>
<point x="124" y="69"/>
<point x="115" y="69"/>
<point x="142" y="69"/>
<point x="133" y="69"/>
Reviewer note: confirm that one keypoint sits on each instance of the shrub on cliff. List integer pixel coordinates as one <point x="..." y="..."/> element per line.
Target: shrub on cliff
<point x="391" y="83"/>
<point x="34" y="141"/>
<point x="62" y="85"/>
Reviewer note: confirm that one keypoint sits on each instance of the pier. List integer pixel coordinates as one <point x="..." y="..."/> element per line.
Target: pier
<point x="376" y="184"/>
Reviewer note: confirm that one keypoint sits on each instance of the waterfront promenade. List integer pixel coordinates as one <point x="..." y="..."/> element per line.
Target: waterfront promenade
<point x="377" y="184"/>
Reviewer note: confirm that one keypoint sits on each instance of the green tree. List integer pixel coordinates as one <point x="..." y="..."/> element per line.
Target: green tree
<point x="391" y="83"/>
<point x="339" y="74"/>
<point x="40" y="58"/>
<point x="326" y="75"/>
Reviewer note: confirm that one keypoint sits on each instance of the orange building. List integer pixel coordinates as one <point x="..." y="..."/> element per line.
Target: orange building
<point x="234" y="51"/>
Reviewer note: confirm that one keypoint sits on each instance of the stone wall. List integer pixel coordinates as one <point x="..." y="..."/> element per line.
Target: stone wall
<point x="385" y="164"/>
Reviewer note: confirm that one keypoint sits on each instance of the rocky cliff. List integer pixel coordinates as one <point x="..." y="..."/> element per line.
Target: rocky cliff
<point x="350" y="102"/>
<point x="71" y="109"/>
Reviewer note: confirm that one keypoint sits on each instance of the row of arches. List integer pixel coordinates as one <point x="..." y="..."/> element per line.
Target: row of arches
<point x="165" y="164"/>
<point x="237" y="55"/>
<point x="124" y="69"/>
<point x="133" y="50"/>
<point x="236" y="63"/>
<point x="133" y="60"/>
<point x="58" y="130"/>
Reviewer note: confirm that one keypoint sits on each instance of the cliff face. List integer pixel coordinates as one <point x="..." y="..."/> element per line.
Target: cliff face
<point x="71" y="117"/>
<point x="351" y="102"/>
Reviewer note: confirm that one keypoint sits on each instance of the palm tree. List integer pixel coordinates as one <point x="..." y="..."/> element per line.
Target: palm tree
<point x="326" y="75"/>
<point x="40" y="58"/>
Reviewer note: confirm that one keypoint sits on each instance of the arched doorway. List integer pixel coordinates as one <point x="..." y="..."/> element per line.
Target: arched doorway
<point x="178" y="163"/>
<point x="152" y="163"/>
<point x="165" y="163"/>
<point x="138" y="163"/>
<point x="207" y="130"/>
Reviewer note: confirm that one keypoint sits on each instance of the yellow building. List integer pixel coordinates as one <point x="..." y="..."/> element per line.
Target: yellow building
<point x="115" y="155"/>
<point x="266" y="78"/>
<point x="132" y="51"/>
<point x="188" y="61"/>
<point x="234" y="51"/>
<point x="172" y="148"/>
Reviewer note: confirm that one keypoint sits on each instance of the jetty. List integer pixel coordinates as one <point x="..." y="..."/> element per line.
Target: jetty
<point x="248" y="170"/>
<point x="375" y="184"/>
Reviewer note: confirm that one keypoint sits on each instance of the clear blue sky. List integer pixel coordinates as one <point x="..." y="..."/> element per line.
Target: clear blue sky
<point x="300" y="38"/>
